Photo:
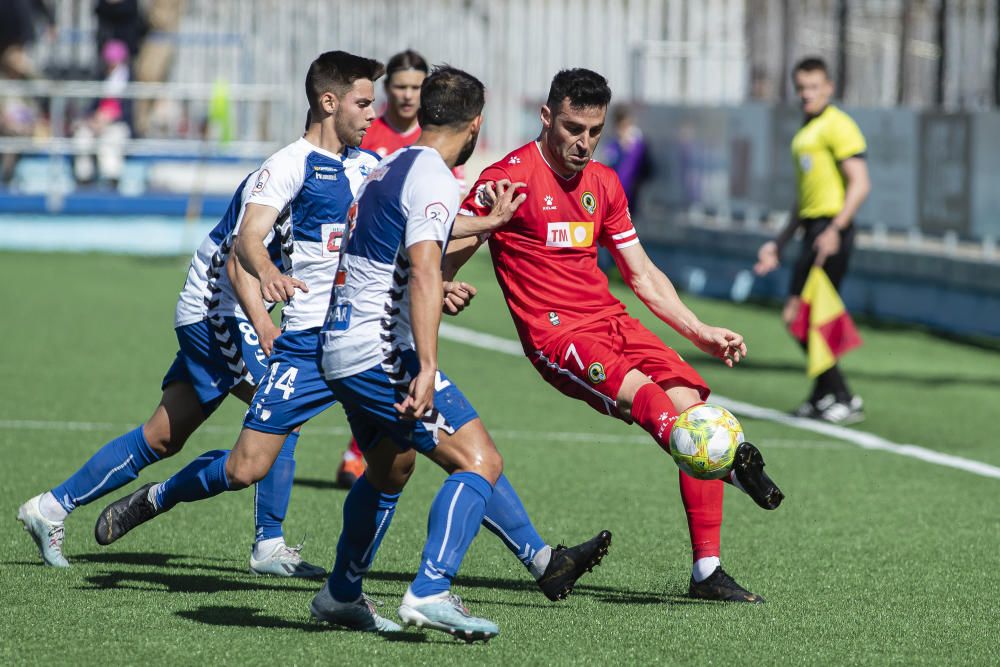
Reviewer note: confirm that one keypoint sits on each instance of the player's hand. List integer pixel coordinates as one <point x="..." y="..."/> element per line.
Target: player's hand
<point x="457" y="296"/>
<point x="419" y="398"/>
<point x="722" y="343"/>
<point x="266" y="335"/>
<point x="506" y="200"/>
<point x="827" y="244"/>
<point x="767" y="259"/>
<point x="276" y="286"/>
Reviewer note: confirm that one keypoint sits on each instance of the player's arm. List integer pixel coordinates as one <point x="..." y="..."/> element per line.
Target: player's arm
<point x="856" y="188"/>
<point x="426" y="287"/>
<point x="656" y="291"/>
<point x="247" y="290"/>
<point x="459" y="252"/>
<point x="251" y="249"/>
<point x="504" y="200"/>
<point x="769" y="254"/>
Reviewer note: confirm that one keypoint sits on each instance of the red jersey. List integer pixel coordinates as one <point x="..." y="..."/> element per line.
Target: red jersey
<point x="384" y="139"/>
<point x="546" y="257"/>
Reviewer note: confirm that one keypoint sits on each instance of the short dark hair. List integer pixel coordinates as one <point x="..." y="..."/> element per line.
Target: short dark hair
<point x="405" y="60"/>
<point x="811" y="64"/>
<point x="336" y="71"/>
<point x="450" y="96"/>
<point x="583" y="87"/>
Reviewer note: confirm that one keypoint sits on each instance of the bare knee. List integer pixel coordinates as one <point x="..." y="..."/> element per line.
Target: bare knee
<point x="161" y="440"/>
<point x="470" y="449"/>
<point x="242" y="472"/>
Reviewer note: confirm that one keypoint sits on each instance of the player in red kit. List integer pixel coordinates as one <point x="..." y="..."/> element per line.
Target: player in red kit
<point x="395" y="129"/>
<point x="577" y="334"/>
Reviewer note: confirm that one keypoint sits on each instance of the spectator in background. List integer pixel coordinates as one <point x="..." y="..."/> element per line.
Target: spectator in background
<point x="106" y="126"/>
<point x="17" y="34"/>
<point x="156" y="57"/>
<point x="120" y="20"/>
<point x="626" y="153"/>
<point x="829" y="154"/>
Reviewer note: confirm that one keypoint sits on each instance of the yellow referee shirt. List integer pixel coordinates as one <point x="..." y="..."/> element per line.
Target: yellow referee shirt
<point x="818" y="148"/>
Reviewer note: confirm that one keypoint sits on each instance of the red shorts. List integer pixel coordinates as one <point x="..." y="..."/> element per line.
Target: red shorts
<point x="591" y="361"/>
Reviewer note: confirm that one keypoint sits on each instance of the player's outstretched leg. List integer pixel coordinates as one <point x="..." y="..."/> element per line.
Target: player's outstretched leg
<point x="202" y="478"/>
<point x="656" y="412"/>
<point x="270" y="554"/>
<point x="114" y="465"/>
<point x="555" y="570"/>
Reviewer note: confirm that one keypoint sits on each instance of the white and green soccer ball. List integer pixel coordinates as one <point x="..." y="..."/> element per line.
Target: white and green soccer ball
<point x="703" y="441"/>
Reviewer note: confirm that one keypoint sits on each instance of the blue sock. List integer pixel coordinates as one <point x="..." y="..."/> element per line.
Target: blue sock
<point x="507" y="519"/>
<point x="202" y="478"/>
<point x="114" y="465"/>
<point x="367" y="514"/>
<point x="272" y="494"/>
<point x="455" y="517"/>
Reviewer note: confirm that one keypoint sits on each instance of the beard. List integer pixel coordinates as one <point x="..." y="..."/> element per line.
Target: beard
<point x="348" y="135"/>
<point x="467" y="150"/>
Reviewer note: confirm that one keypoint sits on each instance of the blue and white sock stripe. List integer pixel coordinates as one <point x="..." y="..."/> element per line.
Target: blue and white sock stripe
<point x="118" y="468"/>
<point x="451" y="516"/>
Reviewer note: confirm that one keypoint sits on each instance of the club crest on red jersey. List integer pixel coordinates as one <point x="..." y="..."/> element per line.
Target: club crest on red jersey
<point x="589" y="201"/>
<point x="595" y="373"/>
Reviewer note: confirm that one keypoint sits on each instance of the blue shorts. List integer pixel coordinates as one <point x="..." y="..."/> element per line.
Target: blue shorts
<point x="215" y="358"/>
<point x="293" y="390"/>
<point x="368" y="399"/>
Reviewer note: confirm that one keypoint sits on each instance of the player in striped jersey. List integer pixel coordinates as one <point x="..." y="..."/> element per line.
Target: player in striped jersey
<point x="340" y="91"/>
<point x="223" y="349"/>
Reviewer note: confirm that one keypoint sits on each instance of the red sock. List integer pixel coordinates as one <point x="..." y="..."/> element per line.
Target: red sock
<point x="653" y="410"/>
<point x="703" y="505"/>
<point x="354" y="449"/>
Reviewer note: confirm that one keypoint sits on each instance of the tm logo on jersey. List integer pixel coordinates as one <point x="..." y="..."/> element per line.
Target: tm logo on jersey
<point x="570" y="235"/>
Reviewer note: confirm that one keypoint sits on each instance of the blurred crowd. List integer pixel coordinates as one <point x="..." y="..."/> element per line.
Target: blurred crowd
<point x="99" y="127"/>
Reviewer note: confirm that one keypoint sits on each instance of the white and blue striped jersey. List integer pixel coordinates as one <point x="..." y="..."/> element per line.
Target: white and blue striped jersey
<point x="411" y="197"/>
<point x="207" y="291"/>
<point x="314" y="189"/>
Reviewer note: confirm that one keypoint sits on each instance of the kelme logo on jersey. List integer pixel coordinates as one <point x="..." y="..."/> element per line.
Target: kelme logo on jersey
<point x="595" y="373"/>
<point x="333" y="235"/>
<point x="589" y="201"/>
<point x="570" y="235"/>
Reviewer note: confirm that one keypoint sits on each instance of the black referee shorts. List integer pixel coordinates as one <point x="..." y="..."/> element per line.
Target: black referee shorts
<point x="835" y="265"/>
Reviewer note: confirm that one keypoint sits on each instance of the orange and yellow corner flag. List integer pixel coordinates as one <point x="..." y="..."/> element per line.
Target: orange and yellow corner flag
<point x="823" y="323"/>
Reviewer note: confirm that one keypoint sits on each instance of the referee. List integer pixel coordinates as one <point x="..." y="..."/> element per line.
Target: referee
<point x="829" y="155"/>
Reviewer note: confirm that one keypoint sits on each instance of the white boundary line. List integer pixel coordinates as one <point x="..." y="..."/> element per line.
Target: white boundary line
<point x="628" y="438"/>
<point x="510" y="347"/>
<point x="859" y="438"/>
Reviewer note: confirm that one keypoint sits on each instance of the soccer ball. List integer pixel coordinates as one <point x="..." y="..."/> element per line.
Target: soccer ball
<point x="703" y="441"/>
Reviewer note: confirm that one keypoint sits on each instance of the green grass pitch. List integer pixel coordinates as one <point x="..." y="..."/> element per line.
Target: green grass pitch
<point x="873" y="558"/>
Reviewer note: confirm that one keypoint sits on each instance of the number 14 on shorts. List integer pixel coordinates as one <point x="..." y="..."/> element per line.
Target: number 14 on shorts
<point x="285" y="381"/>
